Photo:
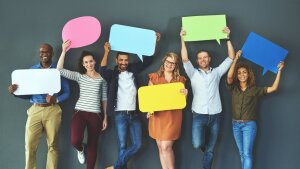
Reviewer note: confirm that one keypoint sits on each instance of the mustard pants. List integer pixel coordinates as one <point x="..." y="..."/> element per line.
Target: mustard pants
<point x="39" y="120"/>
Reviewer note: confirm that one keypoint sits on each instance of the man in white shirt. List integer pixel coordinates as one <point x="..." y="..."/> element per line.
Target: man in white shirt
<point x="206" y="104"/>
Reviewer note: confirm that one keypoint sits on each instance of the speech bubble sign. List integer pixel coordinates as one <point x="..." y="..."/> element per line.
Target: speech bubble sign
<point x="36" y="81"/>
<point x="82" y="31"/>
<point x="207" y="27"/>
<point x="263" y="52"/>
<point x="132" y="40"/>
<point x="161" y="97"/>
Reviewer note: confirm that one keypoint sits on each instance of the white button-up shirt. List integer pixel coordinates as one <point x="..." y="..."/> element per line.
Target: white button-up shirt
<point x="205" y="86"/>
<point x="126" y="96"/>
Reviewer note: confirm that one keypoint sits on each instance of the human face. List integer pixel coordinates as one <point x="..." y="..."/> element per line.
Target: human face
<point x="45" y="54"/>
<point x="203" y="60"/>
<point x="88" y="63"/>
<point x="122" y="61"/>
<point x="242" y="75"/>
<point x="169" y="64"/>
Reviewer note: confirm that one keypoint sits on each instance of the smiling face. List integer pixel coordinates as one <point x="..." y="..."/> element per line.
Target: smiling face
<point x="46" y="53"/>
<point x="203" y="60"/>
<point x="122" y="60"/>
<point x="242" y="75"/>
<point x="88" y="63"/>
<point x="169" y="64"/>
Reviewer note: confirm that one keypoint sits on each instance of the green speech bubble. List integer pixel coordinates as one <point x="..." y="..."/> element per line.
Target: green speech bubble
<point x="207" y="27"/>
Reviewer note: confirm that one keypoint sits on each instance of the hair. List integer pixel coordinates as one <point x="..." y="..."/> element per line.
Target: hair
<point x="200" y="51"/>
<point x="121" y="53"/>
<point x="174" y="56"/>
<point x="251" y="77"/>
<point x="81" y="68"/>
<point x="48" y="45"/>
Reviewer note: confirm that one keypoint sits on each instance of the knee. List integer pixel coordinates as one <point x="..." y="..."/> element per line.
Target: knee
<point x="137" y="147"/>
<point x="166" y="148"/>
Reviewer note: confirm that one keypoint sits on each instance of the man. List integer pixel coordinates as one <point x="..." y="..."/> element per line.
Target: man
<point x="122" y="100"/>
<point x="206" y="104"/>
<point x="43" y="115"/>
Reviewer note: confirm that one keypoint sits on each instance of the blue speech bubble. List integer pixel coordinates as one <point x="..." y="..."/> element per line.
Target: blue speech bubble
<point x="263" y="52"/>
<point x="132" y="40"/>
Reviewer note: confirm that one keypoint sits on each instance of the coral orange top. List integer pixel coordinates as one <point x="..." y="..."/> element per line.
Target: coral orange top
<point x="165" y="125"/>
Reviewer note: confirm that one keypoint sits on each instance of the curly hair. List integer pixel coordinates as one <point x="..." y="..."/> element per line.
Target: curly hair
<point x="161" y="70"/>
<point x="81" y="68"/>
<point x="251" y="77"/>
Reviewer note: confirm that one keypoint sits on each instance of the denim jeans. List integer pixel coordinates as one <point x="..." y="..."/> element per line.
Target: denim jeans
<point x="244" y="135"/>
<point x="124" y="123"/>
<point x="201" y="124"/>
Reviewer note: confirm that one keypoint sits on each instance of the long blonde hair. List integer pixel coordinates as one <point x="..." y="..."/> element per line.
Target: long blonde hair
<point x="161" y="70"/>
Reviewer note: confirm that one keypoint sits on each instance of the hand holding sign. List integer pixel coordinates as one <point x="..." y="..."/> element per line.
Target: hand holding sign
<point x="263" y="52"/>
<point x="81" y="31"/>
<point x="209" y="27"/>
<point x="132" y="40"/>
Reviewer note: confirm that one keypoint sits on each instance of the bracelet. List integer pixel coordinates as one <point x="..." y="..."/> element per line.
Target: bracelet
<point x="228" y="39"/>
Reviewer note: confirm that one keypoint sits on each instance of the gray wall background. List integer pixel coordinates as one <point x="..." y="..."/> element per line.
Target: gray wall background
<point x="26" y="24"/>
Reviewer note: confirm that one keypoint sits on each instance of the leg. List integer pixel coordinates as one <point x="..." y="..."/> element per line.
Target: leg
<point x="168" y="154"/>
<point x="249" y="134"/>
<point x="198" y="130"/>
<point x="78" y="124"/>
<point x="160" y="151"/>
<point x="122" y="128"/>
<point x="51" y="125"/>
<point x="94" y="126"/>
<point x="33" y="133"/>
<point x="214" y="125"/>
<point x="238" y="137"/>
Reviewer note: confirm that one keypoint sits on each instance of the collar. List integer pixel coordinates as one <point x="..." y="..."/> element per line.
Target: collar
<point x="41" y="67"/>
<point x="209" y="70"/>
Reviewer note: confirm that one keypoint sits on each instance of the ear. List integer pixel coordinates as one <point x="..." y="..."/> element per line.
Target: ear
<point x="116" y="60"/>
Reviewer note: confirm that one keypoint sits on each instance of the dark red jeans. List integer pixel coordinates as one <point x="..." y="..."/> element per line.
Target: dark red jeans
<point x="93" y="122"/>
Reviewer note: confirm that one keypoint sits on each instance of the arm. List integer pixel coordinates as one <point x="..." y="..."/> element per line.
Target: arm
<point x="65" y="46"/>
<point x="65" y="91"/>
<point x="230" y="48"/>
<point x="104" y="103"/>
<point x="232" y="68"/>
<point x="106" y="52"/>
<point x="275" y="85"/>
<point x="184" y="54"/>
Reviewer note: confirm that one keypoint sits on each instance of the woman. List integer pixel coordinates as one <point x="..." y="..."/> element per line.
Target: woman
<point x="87" y="113"/>
<point x="165" y="126"/>
<point x="245" y="94"/>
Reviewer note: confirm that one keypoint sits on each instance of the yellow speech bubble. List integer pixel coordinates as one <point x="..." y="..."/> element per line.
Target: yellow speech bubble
<point x="161" y="97"/>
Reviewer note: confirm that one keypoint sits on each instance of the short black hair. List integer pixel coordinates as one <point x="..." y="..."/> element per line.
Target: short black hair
<point x="200" y="51"/>
<point x="84" y="53"/>
<point x="122" y="53"/>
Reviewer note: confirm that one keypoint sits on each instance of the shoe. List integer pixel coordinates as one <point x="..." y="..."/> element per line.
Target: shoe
<point x="81" y="155"/>
<point x="111" y="167"/>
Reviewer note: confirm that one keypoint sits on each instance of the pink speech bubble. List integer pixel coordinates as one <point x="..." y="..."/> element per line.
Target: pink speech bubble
<point x="81" y="31"/>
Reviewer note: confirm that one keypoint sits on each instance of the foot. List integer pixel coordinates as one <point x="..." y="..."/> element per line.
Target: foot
<point x="111" y="167"/>
<point x="81" y="155"/>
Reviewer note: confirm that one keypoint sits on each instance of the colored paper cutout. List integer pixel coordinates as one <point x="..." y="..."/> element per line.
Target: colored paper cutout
<point x="81" y="31"/>
<point x="161" y="97"/>
<point x="132" y="40"/>
<point x="263" y="52"/>
<point x="207" y="27"/>
<point x="36" y="81"/>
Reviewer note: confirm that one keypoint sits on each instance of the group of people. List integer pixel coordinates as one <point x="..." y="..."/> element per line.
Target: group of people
<point x="113" y="92"/>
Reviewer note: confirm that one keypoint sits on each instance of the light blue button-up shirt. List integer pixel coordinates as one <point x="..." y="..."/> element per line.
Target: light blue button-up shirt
<point x="205" y="86"/>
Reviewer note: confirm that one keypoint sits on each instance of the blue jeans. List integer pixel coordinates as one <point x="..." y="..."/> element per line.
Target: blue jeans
<point x="202" y="123"/>
<point x="244" y="135"/>
<point x="124" y="123"/>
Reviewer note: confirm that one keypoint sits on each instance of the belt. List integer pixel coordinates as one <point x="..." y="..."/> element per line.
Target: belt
<point x="241" y="121"/>
<point x="128" y="112"/>
<point x="43" y="104"/>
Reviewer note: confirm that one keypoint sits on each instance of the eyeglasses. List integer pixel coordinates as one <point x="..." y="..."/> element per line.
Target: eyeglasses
<point x="170" y="63"/>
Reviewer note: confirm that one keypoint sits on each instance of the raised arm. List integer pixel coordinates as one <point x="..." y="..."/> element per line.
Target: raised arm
<point x="65" y="46"/>
<point x="184" y="54"/>
<point x="232" y="68"/>
<point x="275" y="85"/>
<point x="106" y="52"/>
<point x="230" y="48"/>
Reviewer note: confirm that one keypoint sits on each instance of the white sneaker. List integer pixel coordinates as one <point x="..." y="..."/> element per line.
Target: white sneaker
<point x="81" y="155"/>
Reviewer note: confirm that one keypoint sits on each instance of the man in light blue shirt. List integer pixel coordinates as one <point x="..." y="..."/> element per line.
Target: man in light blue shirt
<point x="206" y="104"/>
